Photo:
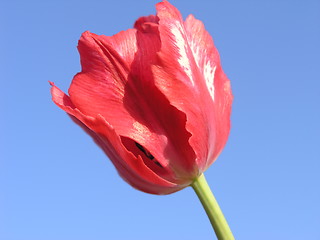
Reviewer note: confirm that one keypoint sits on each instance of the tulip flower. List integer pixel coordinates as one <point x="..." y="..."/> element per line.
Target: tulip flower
<point x="156" y="100"/>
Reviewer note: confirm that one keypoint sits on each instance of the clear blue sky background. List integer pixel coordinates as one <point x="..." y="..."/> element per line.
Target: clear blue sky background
<point x="55" y="184"/>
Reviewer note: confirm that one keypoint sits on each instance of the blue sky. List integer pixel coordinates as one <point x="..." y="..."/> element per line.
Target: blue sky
<point x="56" y="184"/>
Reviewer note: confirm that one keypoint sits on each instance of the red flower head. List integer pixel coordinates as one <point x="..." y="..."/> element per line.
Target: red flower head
<point x="154" y="98"/>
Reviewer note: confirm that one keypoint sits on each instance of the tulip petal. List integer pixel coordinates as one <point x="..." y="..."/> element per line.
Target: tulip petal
<point x="100" y="87"/>
<point x="132" y="169"/>
<point x="147" y="24"/>
<point x="208" y="61"/>
<point x="171" y="122"/>
<point x="187" y="75"/>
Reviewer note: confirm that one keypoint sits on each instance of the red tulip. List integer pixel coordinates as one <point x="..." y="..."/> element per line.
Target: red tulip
<point x="154" y="98"/>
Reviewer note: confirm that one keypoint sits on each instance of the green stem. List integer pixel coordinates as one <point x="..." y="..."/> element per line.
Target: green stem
<point x="212" y="208"/>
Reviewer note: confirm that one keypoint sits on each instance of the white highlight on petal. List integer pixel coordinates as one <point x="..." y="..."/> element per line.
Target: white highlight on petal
<point x="208" y="72"/>
<point x="204" y="64"/>
<point x="181" y="44"/>
<point x="141" y="129"/>
<point x="195" y="51"/>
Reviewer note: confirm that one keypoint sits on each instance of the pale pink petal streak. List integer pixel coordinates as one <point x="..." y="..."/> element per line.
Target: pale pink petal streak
<point x="205" y="54"/>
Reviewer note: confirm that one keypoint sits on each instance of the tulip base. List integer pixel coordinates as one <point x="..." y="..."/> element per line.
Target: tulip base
<point x="212" y="209"/>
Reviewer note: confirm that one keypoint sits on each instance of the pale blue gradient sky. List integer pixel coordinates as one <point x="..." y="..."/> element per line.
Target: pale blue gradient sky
<point x="56" y="184"/>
